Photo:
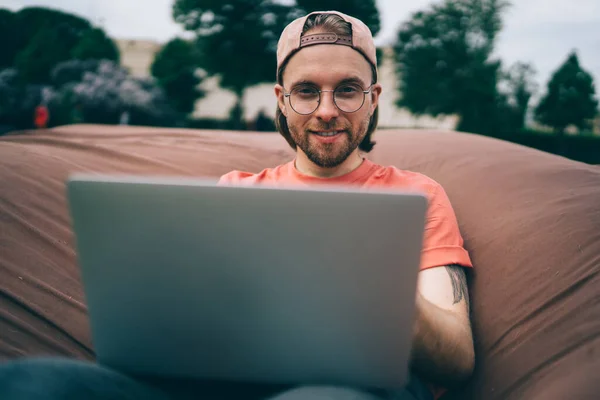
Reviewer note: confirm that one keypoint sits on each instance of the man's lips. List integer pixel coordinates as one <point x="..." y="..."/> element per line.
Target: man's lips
<point x="328" y="137"/>
<point x="327" y="133"/>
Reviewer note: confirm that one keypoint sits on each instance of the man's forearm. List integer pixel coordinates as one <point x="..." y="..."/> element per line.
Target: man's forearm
<point x="442" y="346"/>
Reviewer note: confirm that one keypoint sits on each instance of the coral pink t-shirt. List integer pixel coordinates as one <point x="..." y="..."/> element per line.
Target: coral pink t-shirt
<point x="442" y="243"/>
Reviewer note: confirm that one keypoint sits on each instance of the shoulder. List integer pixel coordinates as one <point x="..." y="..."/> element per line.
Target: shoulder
<point x="393" y="177"/>
<point x="267" y="175"/>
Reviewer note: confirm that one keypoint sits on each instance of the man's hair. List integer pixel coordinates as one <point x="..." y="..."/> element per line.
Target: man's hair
<point x="335" y="24"/>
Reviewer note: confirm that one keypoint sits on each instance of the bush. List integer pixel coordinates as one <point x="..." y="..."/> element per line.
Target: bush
<point x="100" y="91"/>
<point x="580" y="147"/>
<point x="17" y="100"/>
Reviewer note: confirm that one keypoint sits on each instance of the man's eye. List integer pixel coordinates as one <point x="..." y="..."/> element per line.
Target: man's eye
<point x="306" y="91"/>
<point x="347" y="89"/>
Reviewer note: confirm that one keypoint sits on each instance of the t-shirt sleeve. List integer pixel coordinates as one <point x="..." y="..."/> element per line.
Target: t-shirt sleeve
<point x="233" y="178"/>
<point x="224" y="180"/>
<point x="443" y="242"/>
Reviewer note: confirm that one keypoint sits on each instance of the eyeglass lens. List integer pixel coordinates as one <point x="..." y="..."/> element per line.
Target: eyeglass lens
<point x="348" y="98"/>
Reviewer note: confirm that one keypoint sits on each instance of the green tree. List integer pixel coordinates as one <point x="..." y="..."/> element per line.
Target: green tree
<point x="19" y="29"/>
<point x="570" y="98"/>
<point x="521" y="86"/>
<point x="175" y="67"/>
<point x="71" y="71"/>
<point x="18" y="100"/>
<point x="95" y="45"/>
<point x="41" y="38"/>
<point x="443" y="59"/>
<point x="46" y="49"/>
<point x="236" y="39"/>
<point x="31" y="20"/>
<point x="8" y="33"/>
<point x="101" y="91"/>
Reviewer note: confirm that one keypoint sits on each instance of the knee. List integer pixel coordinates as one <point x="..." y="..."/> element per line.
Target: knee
<point x="325" y="393"/>
<point x="54" y="378"/>
<point x="51" y="368"/>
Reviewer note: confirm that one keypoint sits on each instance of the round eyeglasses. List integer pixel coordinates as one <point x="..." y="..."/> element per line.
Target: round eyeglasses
<point x="348" y="98"/>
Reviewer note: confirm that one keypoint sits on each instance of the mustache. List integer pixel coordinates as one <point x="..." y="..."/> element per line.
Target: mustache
<point x="333" y="126"/>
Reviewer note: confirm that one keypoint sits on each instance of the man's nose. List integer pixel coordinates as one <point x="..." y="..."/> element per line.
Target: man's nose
<point x="327" y="110"/>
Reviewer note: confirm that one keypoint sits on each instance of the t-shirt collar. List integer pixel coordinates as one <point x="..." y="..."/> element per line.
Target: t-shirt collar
<point x="353" y="176"/>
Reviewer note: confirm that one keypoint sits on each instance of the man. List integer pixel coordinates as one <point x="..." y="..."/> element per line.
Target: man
<point x="327" y="95"/>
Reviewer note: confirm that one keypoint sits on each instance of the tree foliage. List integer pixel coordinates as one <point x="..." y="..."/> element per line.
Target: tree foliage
<point x="17" y="100"/>
<point x="519" y="87"/>
<point x="46" y="49"/>
<point x="95" y="45"/>
<point x="106" y="90"/>
<point x="30" y="20"/>
<point x="8" y="30"/>
<point x="570" y="98"/>
<point x="36" y="39"/>
<point x="236" y="39"/>
<point x="93" y="91"/>
<point x="175" y="69"/>
<point x="443" y="58"/>
<point x="71" y="71"/>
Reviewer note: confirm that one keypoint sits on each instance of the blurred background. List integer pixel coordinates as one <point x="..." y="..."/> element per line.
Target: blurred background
<point x="521" y="70"/>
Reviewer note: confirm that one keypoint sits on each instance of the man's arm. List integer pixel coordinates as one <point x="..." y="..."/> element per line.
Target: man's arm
<point x="443" y="342"/>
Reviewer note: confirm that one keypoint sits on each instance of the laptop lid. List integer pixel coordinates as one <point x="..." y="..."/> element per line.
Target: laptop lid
<point x="185" y="278"/>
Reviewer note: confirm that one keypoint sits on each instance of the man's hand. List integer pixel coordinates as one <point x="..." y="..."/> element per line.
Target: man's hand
<point x="443" y="343"/>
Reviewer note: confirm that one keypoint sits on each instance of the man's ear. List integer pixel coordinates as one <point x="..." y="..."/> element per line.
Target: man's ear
<point x="279" y="92"/>
<point x="375" y="93"/>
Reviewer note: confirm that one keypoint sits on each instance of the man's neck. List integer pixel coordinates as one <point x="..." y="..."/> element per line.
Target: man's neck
<point x="307" y="167"/>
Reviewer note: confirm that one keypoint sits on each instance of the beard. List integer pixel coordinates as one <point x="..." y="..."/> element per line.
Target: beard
<point x="330" y="155"/>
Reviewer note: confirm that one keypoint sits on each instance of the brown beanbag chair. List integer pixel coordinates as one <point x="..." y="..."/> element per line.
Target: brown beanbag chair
<point x="531" y="222"/>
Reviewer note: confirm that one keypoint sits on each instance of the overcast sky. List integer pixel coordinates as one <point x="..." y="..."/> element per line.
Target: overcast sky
<point x="538" y="31"/>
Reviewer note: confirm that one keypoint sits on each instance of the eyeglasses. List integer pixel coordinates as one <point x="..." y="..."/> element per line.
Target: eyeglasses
<point x="348" y="97"/>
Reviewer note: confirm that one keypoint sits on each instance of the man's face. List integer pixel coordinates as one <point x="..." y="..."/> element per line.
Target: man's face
<point x="326" y="67"/>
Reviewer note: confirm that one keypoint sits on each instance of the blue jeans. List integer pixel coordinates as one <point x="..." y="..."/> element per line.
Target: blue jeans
<point x="57" y="378"/>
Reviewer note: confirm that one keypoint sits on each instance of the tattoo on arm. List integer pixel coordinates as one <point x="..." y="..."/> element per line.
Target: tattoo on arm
<point x="459" y="283"/>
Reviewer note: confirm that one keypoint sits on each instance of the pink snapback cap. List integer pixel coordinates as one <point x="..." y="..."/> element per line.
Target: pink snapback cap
<point x="291" y="39"/>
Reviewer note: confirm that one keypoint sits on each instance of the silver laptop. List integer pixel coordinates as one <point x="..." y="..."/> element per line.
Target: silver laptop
<point x="184" y="278"/>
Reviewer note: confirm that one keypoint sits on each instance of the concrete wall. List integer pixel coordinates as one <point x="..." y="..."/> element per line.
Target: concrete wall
<point x="137" y="55"/>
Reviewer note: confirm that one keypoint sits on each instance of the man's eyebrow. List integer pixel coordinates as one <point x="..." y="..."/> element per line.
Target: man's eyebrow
<point x="304" y="82"/>
<point x="351" y="79"/>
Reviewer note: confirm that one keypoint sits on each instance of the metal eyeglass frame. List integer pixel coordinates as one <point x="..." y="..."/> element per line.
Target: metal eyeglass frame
<point x="365" y="92"/>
